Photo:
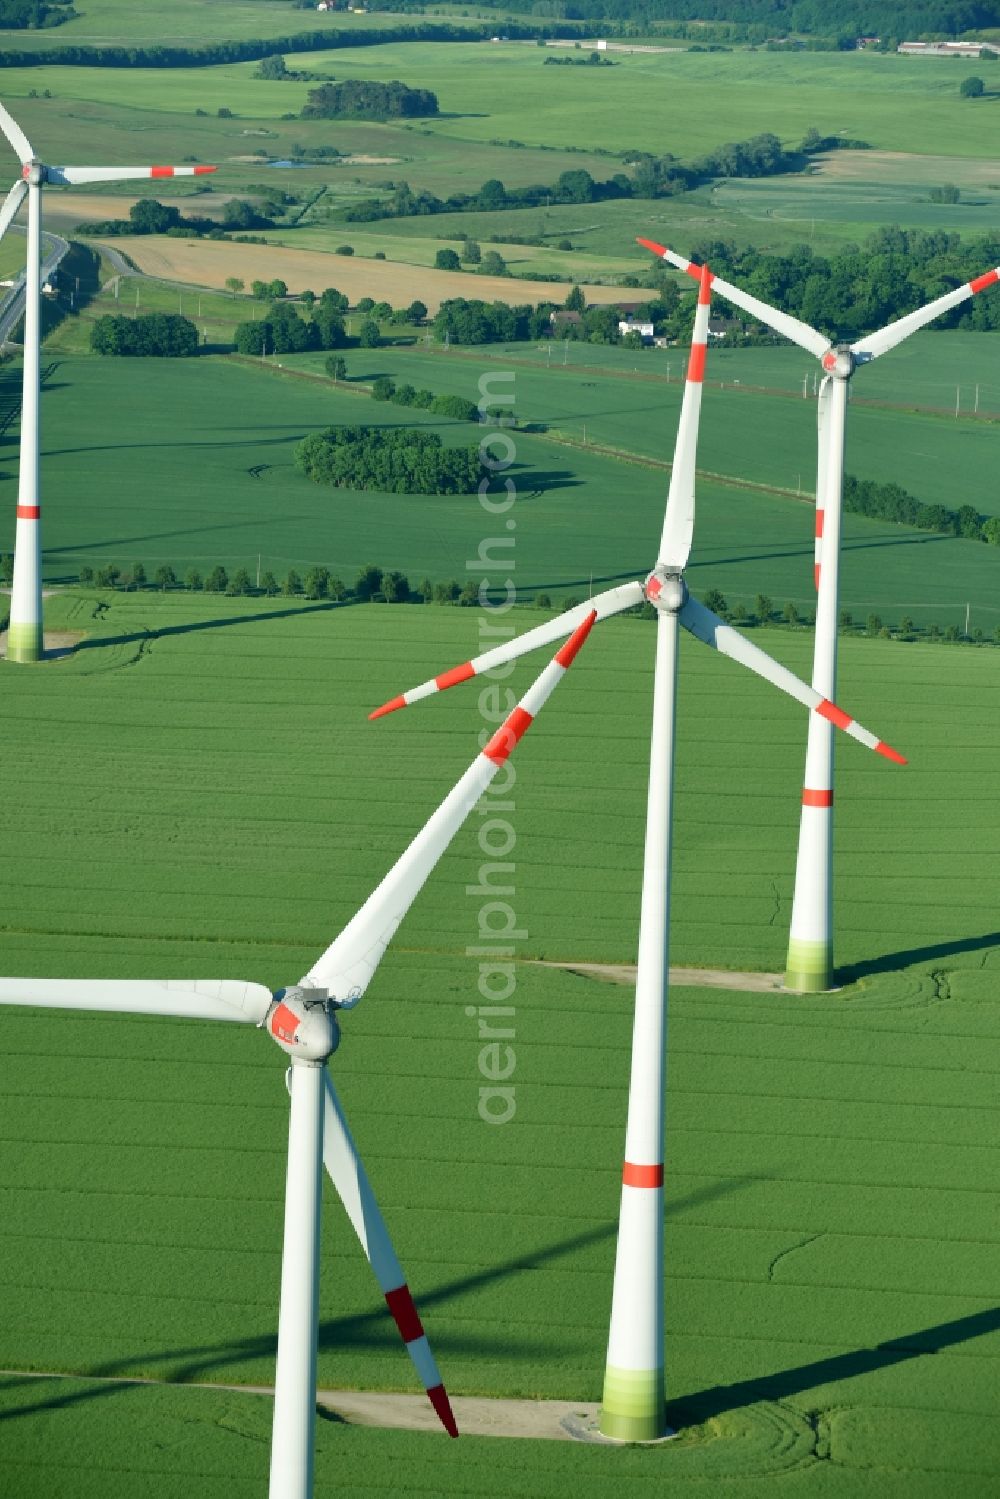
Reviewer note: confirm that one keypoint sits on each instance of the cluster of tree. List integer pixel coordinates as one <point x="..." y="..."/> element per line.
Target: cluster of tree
<point x="490" y="264"/>
<point x="285" y="331"/>
<point x="19" y="15"/>
<point x="364" y="99"/>
<point x="163" y="335"/>
<point x="890" y="502"/>
<point x="860" y="289"/>
<point x="653" y="177"/>
<point x="458" y="407"/>
<point x="149" y="216"/>
<point x="276" y="70"/>
<point x="463" y="321"/>
<point x="393" y="460"/>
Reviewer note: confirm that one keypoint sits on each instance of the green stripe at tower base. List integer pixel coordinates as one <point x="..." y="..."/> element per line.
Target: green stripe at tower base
<point x="634" y="1406"/>
<point x="809" y="969"/>
<point x="25" y="643"/>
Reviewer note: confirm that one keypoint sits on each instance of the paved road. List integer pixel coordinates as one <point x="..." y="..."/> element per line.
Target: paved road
<point x="12" y="306"/>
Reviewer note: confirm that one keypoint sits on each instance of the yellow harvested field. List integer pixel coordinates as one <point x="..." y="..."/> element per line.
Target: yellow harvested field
<point x="209" y="262"/>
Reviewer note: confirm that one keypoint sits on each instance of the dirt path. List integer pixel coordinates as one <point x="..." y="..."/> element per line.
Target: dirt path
<point x="708" y="978"/>
<point x="476" y="1415"/>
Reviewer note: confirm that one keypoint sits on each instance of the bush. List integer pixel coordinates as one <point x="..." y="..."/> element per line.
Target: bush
<point x="455" y="406"/>
<point x="369" y="337"/>
<point x="382" y="388"/>
<point x="344" y="250"/>
<point x="447" y="260"/>
<point x="217" y="580"/>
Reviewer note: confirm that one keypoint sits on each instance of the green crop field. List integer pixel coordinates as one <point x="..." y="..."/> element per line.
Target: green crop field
<point x="197" y="791"/>
<point x="198" y="468"/>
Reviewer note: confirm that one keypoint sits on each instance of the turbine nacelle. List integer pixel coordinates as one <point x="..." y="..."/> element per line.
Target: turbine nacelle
<point x="303" y="1024"/>
<point x="840" y="362"/>
<point x="666" y="590"/>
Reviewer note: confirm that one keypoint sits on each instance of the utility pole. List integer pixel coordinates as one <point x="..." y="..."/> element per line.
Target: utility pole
<point x="258" y="569"/>
<point x="957" y="395"/>
<point x="805" y="384"/>
<point x="976" y="407"/>
<point x="967" y="621"/>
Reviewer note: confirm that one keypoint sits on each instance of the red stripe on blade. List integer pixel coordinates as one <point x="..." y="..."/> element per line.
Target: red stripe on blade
<point x="390" y="707"/>
<point x="650" y="244"/>
<point x="820" y="517"/>
<point x="817" y="798"/>
<point x="696" y="364"/>
<point x="506" y="737"/>
<point x="28" y="512"/>
<point x="438" y="1397"/>
<point x="836" y="715"/>
<point x="642" y="1176"/>
<point x="456" y="675"/>
<point x="161" y="171"/>
<point x="200" y="171"/>
<point x="889" y="753"/>
<point x="400" y="1304"/>
<point x="574" y="644"/>
<point x="982" y="282"/>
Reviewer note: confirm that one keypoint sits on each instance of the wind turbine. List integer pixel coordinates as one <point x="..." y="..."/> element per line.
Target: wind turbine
<point x="302" y="1020"/>
<point x="634" y="1390"/>
<point x="24" y="636"/>
<point x="809" y="966"/>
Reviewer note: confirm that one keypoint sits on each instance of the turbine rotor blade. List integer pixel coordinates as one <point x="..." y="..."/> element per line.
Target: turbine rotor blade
<point x="341" y="1159"/>
<point x="874" y="344"/>
<point x="709" y="628"/>
<point x="17" y="137"/>
<point x="183" y="999"/>
<point x="678" y="522"/>
<point x="782" y="322"/>
<point x="346" y="968"/>
<point x="602" y="605"/>
<point x="11" y="204"/>
<point x="76" y="176"/>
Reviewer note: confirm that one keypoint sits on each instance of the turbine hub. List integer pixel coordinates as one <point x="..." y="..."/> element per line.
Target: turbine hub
<point x="33" y="172"/>
<point x="665" y="589"/>
<point x="302" y="1022"/>
<point x="839" y="362"/>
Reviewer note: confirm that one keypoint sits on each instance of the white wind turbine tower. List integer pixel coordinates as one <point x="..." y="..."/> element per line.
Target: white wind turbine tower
<point x="24" y="638"/>
<point x="809" y="967"/>
<point x="634" y="1387"/>
<point x="302" y="1020"/>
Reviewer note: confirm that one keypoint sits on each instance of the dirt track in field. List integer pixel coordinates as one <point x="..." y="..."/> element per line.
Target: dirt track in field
<point x="707" y="978"/>
<point x="209" y="262"/>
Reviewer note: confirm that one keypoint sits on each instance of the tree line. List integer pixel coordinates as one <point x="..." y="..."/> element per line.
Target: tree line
<point x="654" y="177"/>
<point x="161" y="335"/>
<point x="891" y="502"/>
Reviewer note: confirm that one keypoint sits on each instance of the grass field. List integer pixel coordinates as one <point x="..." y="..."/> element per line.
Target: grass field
<point x="197" y="468"/>
<point x="197" y="792"/>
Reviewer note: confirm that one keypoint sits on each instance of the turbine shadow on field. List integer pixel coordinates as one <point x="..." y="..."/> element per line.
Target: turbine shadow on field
<point x="127" y="541"/>
<point x="171" y="444"/>
<point x="369" y="1329"/>
<point x="838" y="1366"/>
<point x="195" y="625"/>
<point x="892" y="962"/>
<point x="795" y="551"/>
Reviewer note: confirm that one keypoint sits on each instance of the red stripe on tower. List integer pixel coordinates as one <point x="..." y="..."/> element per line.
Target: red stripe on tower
<point x="400" y="1304"/>
<point x="817" y="798"/>
<point x="836" y="715"/>
<point x="820" y="517"/>
<point x="507" y="736"/>
<point x="28" y="512"/>
<point x="705" y="289"/>
<point x="161" y="171"/>
<point x="696" y="364"/>
<point x="982" y="282"/>
<point x="456" y="675"/>
<point x="642" y="1176"/>
<point x="568" y="653"/>
<point x="816" y="571"/>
